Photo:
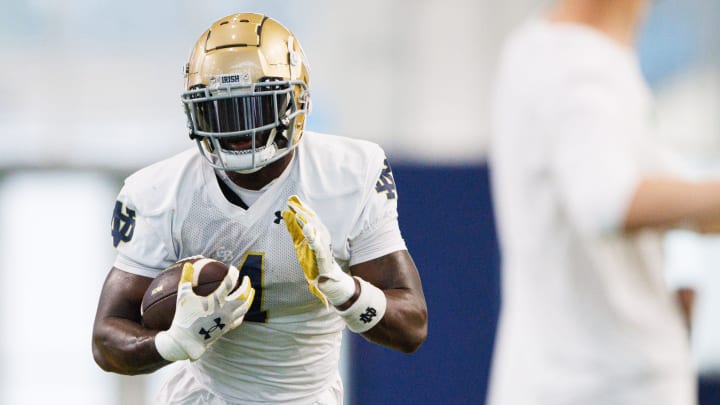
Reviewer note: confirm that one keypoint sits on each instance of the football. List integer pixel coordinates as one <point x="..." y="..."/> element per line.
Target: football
<point x="158" y="303"/>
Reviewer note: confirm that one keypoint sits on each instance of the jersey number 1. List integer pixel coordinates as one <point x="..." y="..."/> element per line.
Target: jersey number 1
<point x="253" y="266"/>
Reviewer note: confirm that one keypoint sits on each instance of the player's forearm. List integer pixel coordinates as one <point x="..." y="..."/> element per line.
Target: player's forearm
<point x="404" y="326"/>
<point x="124" y="347"/>
<point x="659" y="202"/>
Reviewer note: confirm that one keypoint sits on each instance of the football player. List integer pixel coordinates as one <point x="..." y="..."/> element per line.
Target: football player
<point x="308" y="220"/>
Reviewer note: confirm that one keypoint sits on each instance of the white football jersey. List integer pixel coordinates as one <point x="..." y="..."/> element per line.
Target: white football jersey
<point x="287" y="349"/>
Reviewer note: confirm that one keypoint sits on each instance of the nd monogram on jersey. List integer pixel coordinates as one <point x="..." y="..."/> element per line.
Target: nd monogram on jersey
<point x="288" y="346"/>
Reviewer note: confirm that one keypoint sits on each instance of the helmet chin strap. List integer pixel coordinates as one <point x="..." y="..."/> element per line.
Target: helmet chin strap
<point x="262" y="155"/>
<point x="248" y="171"/>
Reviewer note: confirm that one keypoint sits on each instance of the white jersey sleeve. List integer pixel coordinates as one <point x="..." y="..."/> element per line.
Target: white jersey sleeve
<point x="377" y="233"/>
<point x="350" y="184"/>
<point x="142" y="223"/>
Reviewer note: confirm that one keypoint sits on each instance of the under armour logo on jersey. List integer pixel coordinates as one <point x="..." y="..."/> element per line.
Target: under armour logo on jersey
<point x="122" y="224"/>
<point x="368" y="315"/>
<point x="278" y="217"/>
<point x="386" y="182"/>
<point x="218" y="325"/>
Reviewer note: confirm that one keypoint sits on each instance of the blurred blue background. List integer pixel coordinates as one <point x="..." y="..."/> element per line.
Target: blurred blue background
<point x="90" y="92"/>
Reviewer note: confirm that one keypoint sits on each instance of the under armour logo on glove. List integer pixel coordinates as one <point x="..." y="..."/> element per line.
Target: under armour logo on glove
<point x="218" y="325"/>
<point x="368" y="315"/>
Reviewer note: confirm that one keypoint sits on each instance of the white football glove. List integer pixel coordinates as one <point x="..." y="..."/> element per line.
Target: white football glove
<point x="200" y="321"/>
<point x="313" y="246"/>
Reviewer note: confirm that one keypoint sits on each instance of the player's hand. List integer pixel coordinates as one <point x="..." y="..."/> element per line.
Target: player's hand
<point x="200" y="321"/>
<point x="314" y="251"/>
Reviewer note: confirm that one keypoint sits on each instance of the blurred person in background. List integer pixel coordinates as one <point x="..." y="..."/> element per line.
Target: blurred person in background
<point x="583" y="195"/>
<point x="243" y="196"/>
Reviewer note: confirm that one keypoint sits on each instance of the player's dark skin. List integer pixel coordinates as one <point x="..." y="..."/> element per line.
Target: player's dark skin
<point x="120" y="344"/>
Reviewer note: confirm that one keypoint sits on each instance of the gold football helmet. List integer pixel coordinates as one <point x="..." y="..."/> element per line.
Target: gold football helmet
<point x="246" y="92"/>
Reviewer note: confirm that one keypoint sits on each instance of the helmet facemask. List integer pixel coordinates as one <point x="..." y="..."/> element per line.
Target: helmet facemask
<point x="243" y="127"/>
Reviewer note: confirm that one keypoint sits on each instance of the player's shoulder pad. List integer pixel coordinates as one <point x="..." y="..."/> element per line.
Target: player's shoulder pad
<point x="343" y="152"/>
<point x="151" y="187"/>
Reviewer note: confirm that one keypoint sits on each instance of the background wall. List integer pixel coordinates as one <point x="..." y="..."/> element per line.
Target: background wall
<point x="447" y="219"/>
<point x="96" y="83"/>
<point x="89" y="93"/>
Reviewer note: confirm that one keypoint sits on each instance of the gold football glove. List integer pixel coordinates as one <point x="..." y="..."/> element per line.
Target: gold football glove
<point x="314" y="251"/>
